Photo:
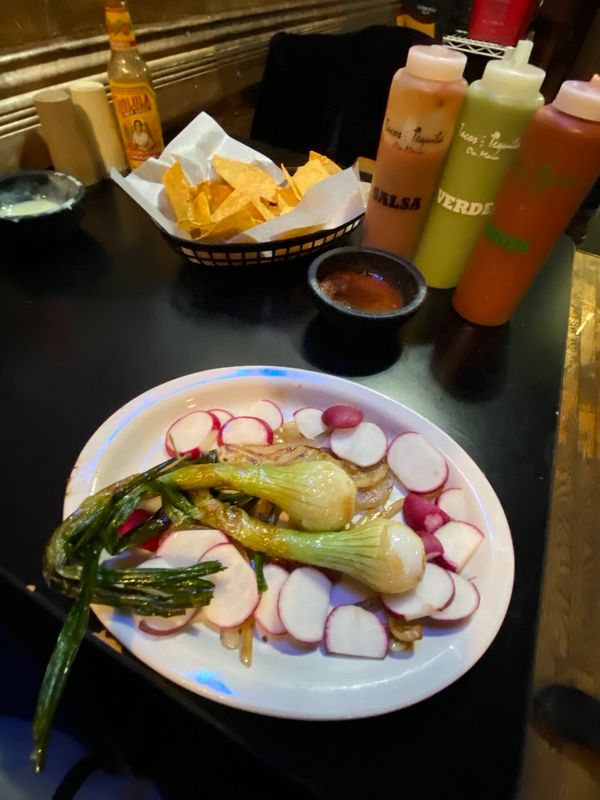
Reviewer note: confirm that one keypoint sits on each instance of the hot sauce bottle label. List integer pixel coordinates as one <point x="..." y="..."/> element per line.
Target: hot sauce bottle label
<point x="413" y="138"/>
<point x="119" y="28"/>
<point x="139" y="120"/>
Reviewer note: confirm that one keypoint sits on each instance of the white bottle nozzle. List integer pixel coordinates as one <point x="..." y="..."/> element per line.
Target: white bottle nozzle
<point x="521" y="52"/>
<point x="513" y="76"/>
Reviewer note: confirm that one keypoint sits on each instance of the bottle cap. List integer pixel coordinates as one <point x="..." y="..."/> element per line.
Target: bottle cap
<point x="512" y="75"/>
<point x="579" y="99"/>
<point x="435" y="62"/>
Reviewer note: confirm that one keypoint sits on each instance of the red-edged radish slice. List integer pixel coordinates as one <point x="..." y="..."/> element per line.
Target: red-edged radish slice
<point x="221" y="414"/>
<point x="162" y="626"/>
<point x="191" y="434"/>
<point x="235" y="595"/>
<point x="341" y="416"/>
<point x="453" y="503"/>
<point x="246" y="430"/>
<point x="309" y="422"/>
<point x="348" y="591"/>
<point x="268" y="411"/>
<point x="134" y="520"/>
<point x="421" y="514"/>
<point x="464" y="603"/>
<point x="304" y="604"/>
<point x="433" y="546"/>
<point x="354" y="631"/>
<point x="364" y="445"/>
<point x="165" y="626"/>
<point x="416" y="463"/>
<point x="459" y="540"/>
<point x="184" y="548"/>
<point x="433" y="592"/>
<point x="267" y="613"/>
<point x="152" y="504"/>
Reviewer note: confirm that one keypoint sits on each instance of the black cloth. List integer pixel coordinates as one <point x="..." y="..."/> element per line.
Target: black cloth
<point x="328" y="92"/>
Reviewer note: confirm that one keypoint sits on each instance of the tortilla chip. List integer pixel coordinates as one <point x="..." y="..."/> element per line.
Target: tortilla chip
<point x="238" y="199"/>
<point x="179" y="191"/>
<point x="229" y="226"/>
<point x="263" y="210"/>
<point x="308" y="175"/>
<point x="200" y="210"/>
<point x="330" y="166"/>
<point x="291" y="234"/>
<point x="246" y="176"/>
<point x="218" y="192"/>
<point x="291" y="183"/>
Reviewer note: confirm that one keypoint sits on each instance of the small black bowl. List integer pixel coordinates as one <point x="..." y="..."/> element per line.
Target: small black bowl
<point x="394" y="270"/>
<point x="56" y="223"/>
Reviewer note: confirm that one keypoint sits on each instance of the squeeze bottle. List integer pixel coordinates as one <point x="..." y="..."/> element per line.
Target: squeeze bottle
<point x="496" y="111"/>
<point x="556" y="167"/>
<point x="423" y="105"/>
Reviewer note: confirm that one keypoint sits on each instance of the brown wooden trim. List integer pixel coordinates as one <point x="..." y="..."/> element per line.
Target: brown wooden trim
<point x="568" y="641"/>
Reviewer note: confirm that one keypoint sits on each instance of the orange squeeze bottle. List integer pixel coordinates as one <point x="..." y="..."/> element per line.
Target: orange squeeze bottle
<point x="557" y="165"/>
<point x="423" y="105"/>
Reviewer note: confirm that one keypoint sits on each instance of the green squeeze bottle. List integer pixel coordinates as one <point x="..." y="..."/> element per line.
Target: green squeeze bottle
<point x="496" y="111"/>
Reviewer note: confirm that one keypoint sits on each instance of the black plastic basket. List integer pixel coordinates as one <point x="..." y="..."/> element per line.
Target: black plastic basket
<point x="260" y="254"/>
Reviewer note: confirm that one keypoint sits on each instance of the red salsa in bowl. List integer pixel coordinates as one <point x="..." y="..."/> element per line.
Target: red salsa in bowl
<point x="364" y="286"/>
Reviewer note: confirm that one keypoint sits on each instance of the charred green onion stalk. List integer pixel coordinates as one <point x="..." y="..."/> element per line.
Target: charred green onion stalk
<point x="70" y="565"/>
<point x="317" y="495"/>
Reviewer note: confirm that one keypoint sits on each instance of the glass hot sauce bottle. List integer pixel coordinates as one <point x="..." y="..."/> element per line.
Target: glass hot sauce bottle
<point x="134" y="99"/>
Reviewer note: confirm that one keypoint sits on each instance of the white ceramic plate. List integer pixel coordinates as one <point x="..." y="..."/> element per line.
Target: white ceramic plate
<point x="285" y="681"/>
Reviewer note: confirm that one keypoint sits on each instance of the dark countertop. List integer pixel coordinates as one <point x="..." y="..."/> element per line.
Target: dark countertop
<point x="115" y="312"/>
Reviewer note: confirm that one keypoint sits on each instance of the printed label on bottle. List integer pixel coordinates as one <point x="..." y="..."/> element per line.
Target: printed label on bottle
<point x="510" y="243"/>
<point x="413" y="138"/>
<point x="470" y="208"/>
<point x="488" y="146"/>
<point x="393" y="201"/>
<point x="139" y="121"/>
<point x="541" y="177"/>
<point x="119" y="28"/>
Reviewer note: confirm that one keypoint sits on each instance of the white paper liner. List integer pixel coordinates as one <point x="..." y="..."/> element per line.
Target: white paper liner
<point x="332" y="202"/>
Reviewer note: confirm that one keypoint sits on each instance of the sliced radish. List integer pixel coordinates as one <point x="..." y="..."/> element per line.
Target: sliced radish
<point x="309" y="422"/>
<point x="354" y="631"/>
<point x="434" y="591"/>
<point x="459" y="540"/>
<point x="184" y="548"/>
<point x="421" y="514"/>
<point x="246" y="430"/>
<point x="162" y="626"/>
<point x="342" y="416"/>
<point x="304" y="604"/>
<point x="453" y="502"/>
<point x="165" y="626"/>
<point x="134" y="520"/>
<point x="464" y="603"/>
<point x="191" y="434"/>
<point x="235" y="596"/>
<point x="152" y="504"/>
<point x="221" y="414"/>
<point x="416" y="463"/>
<point x="348" y="591"/>
<point x="267" y="613"/>
<point x="433" y="546"/>
<point x="268" y="411"/>
<point x="364" y="445"/>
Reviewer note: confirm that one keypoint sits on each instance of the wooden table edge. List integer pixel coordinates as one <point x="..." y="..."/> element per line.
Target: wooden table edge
<point x="567" y="642"/>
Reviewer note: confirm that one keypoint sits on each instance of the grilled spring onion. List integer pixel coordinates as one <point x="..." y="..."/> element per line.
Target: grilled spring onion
<point x="318" y="495"/>
<point x="70" y="565"/>
<point x="383" y="553"/>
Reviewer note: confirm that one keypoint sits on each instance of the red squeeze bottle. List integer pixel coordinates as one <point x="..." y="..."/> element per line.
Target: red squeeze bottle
<point x="554" y="170"/>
